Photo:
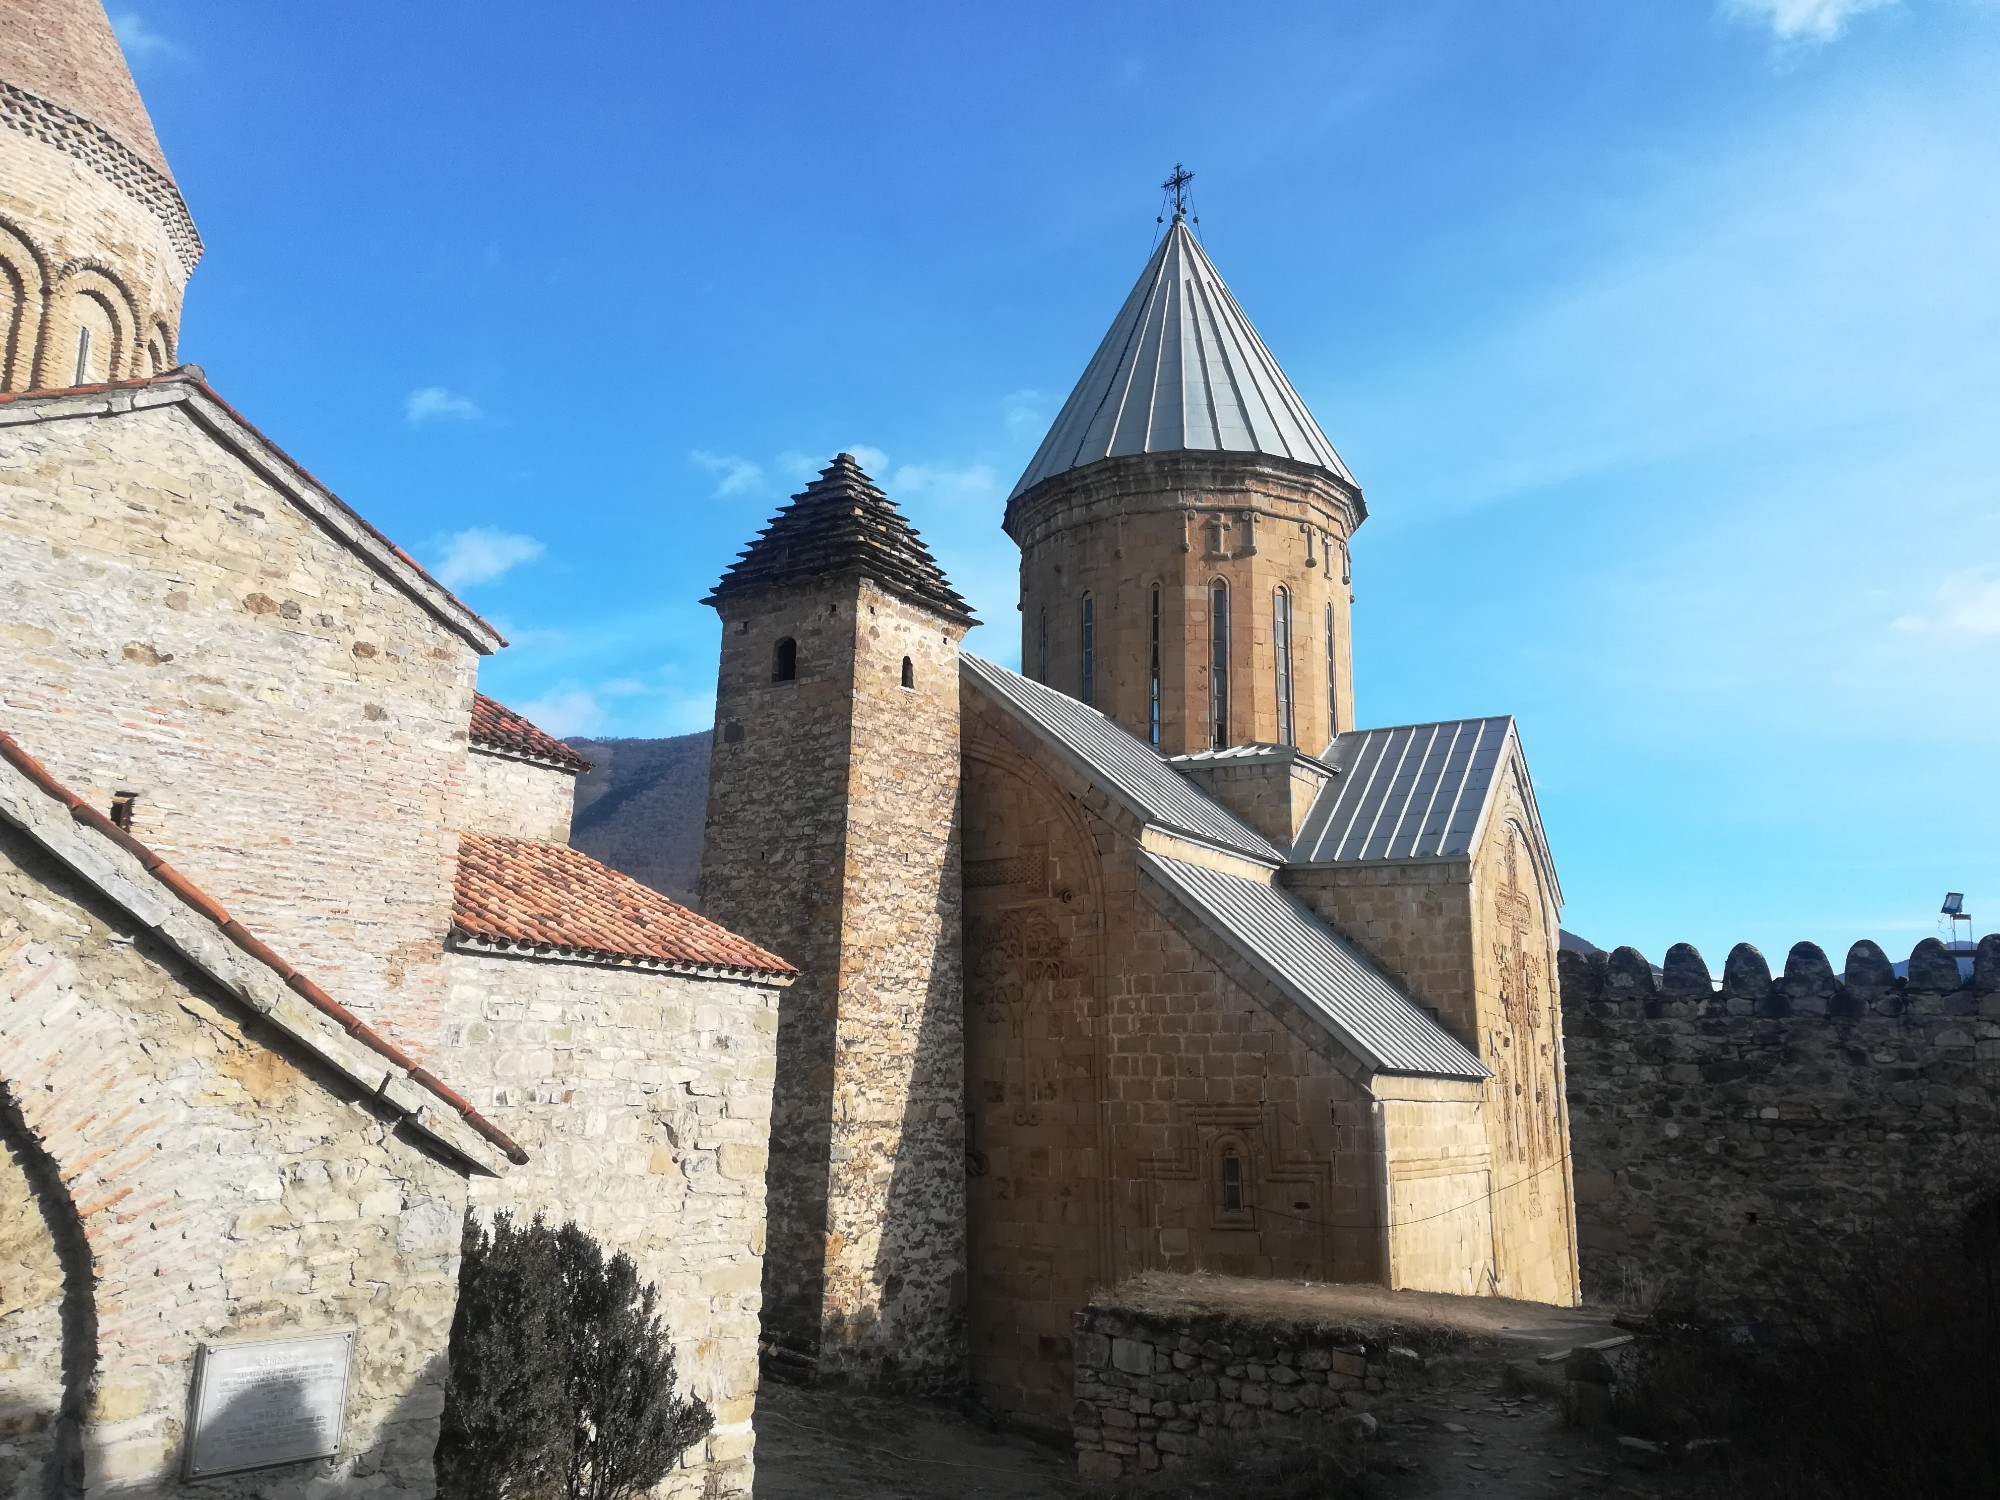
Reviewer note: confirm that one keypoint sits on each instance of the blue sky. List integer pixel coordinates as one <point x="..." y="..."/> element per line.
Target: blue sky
<point x="1663" y="335"/>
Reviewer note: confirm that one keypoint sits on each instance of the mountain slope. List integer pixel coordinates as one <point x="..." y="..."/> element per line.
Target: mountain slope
<point x="641" y="809"/>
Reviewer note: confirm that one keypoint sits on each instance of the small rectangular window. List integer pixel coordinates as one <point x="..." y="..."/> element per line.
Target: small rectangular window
<point x="82" y="356"/>
<point x="1232" y="1184"/>
<point x="122" y="804"/>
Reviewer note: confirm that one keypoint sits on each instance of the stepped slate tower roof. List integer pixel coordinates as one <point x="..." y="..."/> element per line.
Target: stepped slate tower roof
<point x="842" y="523"/>
<point x="1181" y="369"/>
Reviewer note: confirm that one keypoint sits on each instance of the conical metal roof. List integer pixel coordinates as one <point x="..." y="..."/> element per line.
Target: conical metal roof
<point x="840" y="524"/>
<point x="1181" y="369"/>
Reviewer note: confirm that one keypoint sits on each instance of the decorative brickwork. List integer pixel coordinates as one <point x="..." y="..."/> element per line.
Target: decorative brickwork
<point x="1182" y="522"/>
<point x="1722" y="1135"/>
<point x="181" y="1169"/>
<point x="96" y="243"/>
<point x="833" y="842"/>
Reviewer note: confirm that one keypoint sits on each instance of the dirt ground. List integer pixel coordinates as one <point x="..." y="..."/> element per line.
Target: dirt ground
<point x="1475" y="1430"/>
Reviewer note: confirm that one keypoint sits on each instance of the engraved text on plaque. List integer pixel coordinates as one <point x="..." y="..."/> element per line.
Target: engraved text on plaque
<point x="276" y="1401"/>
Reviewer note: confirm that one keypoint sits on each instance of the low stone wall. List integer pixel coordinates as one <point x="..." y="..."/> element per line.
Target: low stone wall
<point x="1722" y="1133"/>
<point x="1153" y="1386"/>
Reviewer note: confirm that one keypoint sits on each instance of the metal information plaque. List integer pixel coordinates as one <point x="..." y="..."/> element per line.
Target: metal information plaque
<point x="276" y="1401"/>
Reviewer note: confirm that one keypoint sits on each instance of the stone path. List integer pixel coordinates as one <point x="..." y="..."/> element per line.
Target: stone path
<point x="1473" y="1433"/>
<point x="824" y="1445"/>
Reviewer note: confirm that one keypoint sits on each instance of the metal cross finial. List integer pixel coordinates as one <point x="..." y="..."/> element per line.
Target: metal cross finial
<point x="1177" y="185"/>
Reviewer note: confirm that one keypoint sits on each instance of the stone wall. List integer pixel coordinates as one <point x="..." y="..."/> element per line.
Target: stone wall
<point x="1112" y="1065"/>
<point x="1723" y="1134"/>
<point x="1117" y="529"/>
<point x="1153" y="1386"/>
<point x="181" y="1171"/>
<point x="517" y="799"/>
<point x="179" y="628"/>
<point x="833" y="842"/>
<point x="643" y="1099"/>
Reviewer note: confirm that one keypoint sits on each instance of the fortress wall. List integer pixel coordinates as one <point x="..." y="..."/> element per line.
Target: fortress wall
<point x="1720" y="1134"/>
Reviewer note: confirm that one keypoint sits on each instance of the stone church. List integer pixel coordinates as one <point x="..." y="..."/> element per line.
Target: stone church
<point x="1147" y="957"/>
<point x="296" y="964"/>
<point x="1004" y="986"/>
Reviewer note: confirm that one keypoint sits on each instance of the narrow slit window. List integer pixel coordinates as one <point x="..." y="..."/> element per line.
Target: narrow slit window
<point x="1153" y="675"/>
<point x="1232" y="1183"/>
<point x="785" y="660"/>
<point x="1042" y="649"/>
<point x="909" y="673"/>
<point x="1332" y="678"/>
<point x="1281" y="646"/>
<point x="82" y="357"/>
<point x="1218" y="664"/>
<point x="1089" y="648"/>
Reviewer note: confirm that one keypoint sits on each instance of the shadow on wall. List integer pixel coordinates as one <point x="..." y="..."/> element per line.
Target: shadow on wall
<point x="920" y="1268"/>
<point x="49" y="1349"/>
<point x="45" y="1252"/>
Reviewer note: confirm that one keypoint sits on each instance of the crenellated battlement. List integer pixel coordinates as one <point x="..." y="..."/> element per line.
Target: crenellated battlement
<point x="1724" y="1129"/>
<point x="1868" y="984"/>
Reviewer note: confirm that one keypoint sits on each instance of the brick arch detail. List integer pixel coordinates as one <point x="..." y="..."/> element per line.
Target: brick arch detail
<point x="129" y="1153"/>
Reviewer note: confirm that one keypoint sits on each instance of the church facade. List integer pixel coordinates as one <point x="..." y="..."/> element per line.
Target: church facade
<point x="1006" y="984"/>
<point x="1146" y="956"/>
<point x="297" y="966"/>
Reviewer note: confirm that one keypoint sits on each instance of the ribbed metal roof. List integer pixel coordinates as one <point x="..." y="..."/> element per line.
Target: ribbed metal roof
<point x="1412" y="792"/>
<point x="1181" y="369"/>
<point x="1122" y="764"/>
<point x="1333" y="981"/>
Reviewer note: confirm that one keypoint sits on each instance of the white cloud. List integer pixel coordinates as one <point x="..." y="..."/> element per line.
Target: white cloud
<point x="433" y="403"/>
<point x="1023" y="410"/>
<point x="480" y="555"/>
<point x="938" y="482"/>
<point x="873" y="460"/>
<point x="136" y="35"/>
<point x="565" y="711"/>
<point x="1965" y="604"/>
<point x="734" y="476"/>
<point x="1801" y="20"/>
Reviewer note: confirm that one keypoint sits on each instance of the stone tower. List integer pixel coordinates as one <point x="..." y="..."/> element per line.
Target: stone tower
<point x="1184" y="530"/>
<point x="96" y="244"/>
<point x="833" y="840"/>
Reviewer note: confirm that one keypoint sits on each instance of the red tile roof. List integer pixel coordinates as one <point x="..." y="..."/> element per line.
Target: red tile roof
<point x="199" y="901"/>
<point x="498" y="727"/>
<point x="522" y="893"/>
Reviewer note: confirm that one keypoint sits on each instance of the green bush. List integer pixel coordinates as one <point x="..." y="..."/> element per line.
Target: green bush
<point x="562" y="1377"/>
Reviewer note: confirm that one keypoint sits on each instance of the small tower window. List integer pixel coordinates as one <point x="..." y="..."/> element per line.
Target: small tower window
<point x="1089" y="645"/>
<point x="909" y="673"/>
<point x="785" y="660"/>
<point x="1153" y="675"/>
<point x="1332" y="679"/>
<point x="1042" y="649"/>
<point x="122" y="804"/>
<point x="1281" y="648"/>
<point x="1218" y="664"/>
<point x="1231" y="1201"/>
